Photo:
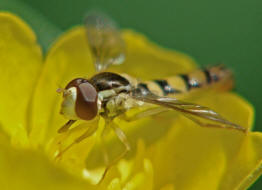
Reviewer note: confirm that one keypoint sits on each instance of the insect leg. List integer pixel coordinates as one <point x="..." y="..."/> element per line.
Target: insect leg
<point x="66" y="126"/>
<point x="122" y="137"/>
<point x="146" y="113"/>
<point x="105" y="153"/>
<point x="89" y="132"/>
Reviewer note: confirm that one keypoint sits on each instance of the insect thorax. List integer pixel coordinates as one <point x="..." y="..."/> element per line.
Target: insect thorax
<point x="113" y="94"/>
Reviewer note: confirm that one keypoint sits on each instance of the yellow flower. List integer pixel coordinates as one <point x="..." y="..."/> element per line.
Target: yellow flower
<point x="169" y="152"/>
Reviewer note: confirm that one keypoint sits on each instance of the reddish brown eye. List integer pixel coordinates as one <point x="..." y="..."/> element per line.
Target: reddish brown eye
<point x="75" y="82"/>
<point x="86" y="101"/>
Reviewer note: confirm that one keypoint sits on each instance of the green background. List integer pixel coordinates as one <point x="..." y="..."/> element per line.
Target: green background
<point x="212" y="32"/>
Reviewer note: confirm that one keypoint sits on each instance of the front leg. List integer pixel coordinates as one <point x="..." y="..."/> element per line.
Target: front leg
<point x="91" y="129"/>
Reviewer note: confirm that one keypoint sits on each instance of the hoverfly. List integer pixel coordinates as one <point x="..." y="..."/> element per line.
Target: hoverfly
<point x="111" y="95"/>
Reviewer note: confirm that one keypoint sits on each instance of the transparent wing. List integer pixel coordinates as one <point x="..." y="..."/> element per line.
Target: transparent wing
<point x="104" y="40"/>
<point x="203" y="116"/>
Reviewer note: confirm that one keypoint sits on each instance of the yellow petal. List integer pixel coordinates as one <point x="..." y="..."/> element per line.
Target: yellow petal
<point x="20" y="62"/>
<point x="140" y="175"/>
<point x="69" y="58"/>
<point x="32" y="170"/>
<point x="252" y="147"/>
<point x="137" y="173"/>
<point x="247" y="164"/>
<point x="114" y="185"/>
<point x="168" y="187"/>
<point x="73" y="159"/>
<point x="142" y="180"/>
<point x="189" y="154"/>
<point x="146" y="60"/>
<point x="133" y="174"/>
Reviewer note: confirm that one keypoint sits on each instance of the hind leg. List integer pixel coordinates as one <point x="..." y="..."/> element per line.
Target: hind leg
<point x="122" y="137"/>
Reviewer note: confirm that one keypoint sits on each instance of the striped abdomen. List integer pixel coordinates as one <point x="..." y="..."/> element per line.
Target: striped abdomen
<point x="217" y="77"/>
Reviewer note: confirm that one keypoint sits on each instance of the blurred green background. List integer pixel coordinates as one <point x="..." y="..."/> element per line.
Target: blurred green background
<point x="228" y="32"/>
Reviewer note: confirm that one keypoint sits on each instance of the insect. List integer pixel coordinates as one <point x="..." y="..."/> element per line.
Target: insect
<point x="110" y="95"/>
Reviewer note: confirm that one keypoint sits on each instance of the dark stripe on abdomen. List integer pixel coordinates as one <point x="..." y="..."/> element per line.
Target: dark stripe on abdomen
<point x="208" y="76"/>
<point x="143" y="86"/>
<point x="187" y="81"/>
<point x="142" y="89"/>
<point x="165" y="87"/>
<point x="190" y="81"/>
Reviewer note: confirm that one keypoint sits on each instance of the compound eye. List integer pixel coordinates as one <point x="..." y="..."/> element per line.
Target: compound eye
<point x="75" y="82"/>
<point x="86" y="101"/>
